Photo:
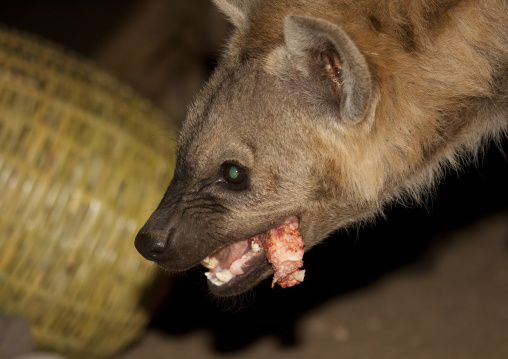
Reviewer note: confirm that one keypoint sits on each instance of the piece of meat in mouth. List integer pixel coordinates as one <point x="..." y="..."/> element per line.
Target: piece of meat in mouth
<point x="282" y="246"/>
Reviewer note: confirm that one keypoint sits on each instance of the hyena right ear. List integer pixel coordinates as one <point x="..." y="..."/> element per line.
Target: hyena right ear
<point x="332" y="63"/>
<point x="237" y="10"/>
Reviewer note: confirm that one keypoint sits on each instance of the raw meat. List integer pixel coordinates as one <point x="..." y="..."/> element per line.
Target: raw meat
<point x="283" y="248"/>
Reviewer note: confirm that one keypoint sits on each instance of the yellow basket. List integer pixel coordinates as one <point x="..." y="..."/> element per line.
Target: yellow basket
<point x="83" y="162"/>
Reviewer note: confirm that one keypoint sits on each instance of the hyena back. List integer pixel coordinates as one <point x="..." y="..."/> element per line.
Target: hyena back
<point x="322" y="112"/>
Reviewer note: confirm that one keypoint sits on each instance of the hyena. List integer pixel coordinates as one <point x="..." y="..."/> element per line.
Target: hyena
<point x="319" y="114"/>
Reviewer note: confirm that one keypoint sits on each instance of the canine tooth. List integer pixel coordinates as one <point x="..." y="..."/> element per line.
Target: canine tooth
<point x="209" y="263"/>
<point x="224" y="276"/>
<point x="208" y="274"/>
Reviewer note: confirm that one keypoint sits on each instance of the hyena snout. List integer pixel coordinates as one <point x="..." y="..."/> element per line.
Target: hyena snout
<point x="166" y="240"/>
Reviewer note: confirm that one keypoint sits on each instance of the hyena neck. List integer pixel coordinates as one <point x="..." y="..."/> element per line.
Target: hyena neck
<point x="435" y="117"/>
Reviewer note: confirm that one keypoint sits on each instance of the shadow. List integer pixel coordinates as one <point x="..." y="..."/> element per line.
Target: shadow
<point x="346" y="262"/>
<point x="77" y="25"/>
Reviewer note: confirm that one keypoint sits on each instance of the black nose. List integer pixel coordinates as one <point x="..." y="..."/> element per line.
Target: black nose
<point x="152" y="244"/>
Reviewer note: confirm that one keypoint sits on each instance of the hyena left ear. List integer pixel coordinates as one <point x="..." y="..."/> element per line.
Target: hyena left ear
<point x="332" y="63"/>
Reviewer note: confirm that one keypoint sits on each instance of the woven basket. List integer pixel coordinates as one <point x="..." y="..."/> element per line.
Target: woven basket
<point x="83" y="162"/>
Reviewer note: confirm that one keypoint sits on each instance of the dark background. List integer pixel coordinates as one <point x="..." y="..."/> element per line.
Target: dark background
<point x="166" y="51"/>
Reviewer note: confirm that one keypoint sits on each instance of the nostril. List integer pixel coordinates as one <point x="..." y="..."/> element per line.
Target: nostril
<point x="158" y="246"/>
<point x="151" y="244"/>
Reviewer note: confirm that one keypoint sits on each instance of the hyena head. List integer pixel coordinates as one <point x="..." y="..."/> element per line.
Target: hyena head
<point x="261" y="147"/>
<point x="276" y="136"/>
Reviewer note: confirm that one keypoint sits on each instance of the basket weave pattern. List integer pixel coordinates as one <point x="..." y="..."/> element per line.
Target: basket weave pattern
<point x="83" y="162"/>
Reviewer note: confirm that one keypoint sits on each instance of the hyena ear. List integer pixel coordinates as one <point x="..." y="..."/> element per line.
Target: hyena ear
<point x="237" y="10"/>
<point x="332" y="63"/>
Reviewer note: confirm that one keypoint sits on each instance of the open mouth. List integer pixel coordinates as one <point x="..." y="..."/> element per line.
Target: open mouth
<point x="233" y="260"/>
<point x="282" y="246"/>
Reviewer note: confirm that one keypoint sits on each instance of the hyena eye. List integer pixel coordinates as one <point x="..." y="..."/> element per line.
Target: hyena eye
<point x="233" y="173"/>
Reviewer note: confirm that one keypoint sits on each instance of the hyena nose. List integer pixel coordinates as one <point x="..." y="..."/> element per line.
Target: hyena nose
<point x="152" y="244"/>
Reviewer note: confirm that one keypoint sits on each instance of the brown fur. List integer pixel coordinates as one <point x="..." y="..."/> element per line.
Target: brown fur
<point x="424" y="83"/>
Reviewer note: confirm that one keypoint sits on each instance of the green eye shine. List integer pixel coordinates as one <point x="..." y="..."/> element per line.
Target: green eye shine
<point x="233" y="172"/>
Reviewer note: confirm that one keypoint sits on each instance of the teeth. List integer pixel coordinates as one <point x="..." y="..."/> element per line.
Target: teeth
<point x="255" y="247"/>
<point x="220" y="277"/>
<point x="210" y="263"/>
<point x="224" y="276"/>
<point x="216" y="281"/>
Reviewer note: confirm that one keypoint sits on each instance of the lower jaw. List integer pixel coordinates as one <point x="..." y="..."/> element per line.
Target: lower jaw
<point x="242" y="282"/>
